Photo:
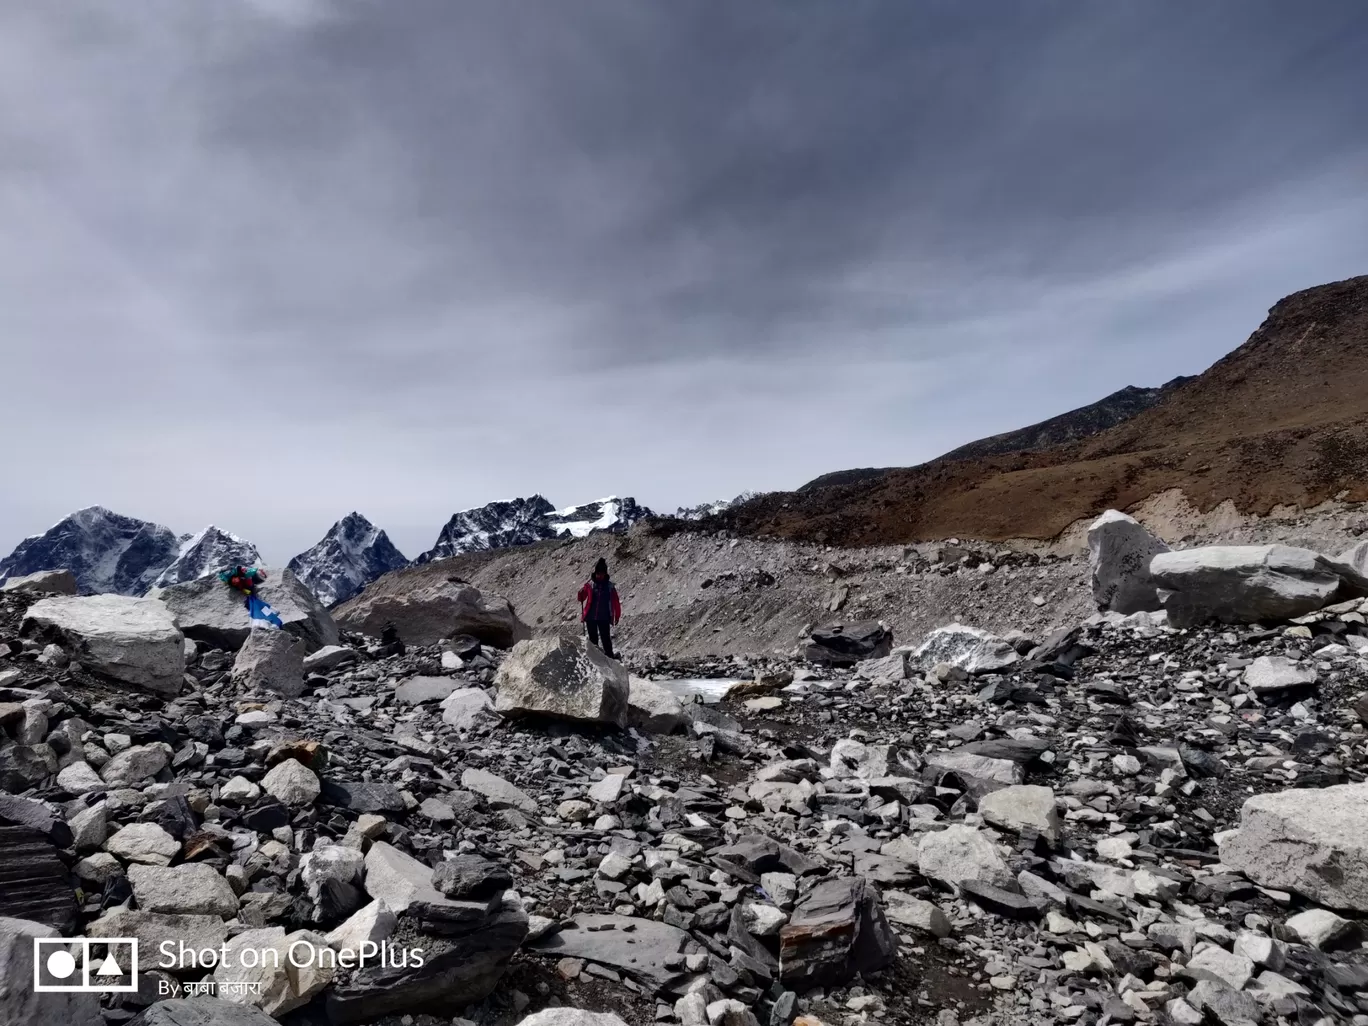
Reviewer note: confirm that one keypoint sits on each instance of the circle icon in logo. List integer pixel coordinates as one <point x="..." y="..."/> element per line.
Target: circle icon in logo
<point x="61" y="964"/>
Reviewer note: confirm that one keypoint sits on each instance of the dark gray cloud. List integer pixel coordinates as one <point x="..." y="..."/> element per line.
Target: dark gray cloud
<point x="411" y="256"/>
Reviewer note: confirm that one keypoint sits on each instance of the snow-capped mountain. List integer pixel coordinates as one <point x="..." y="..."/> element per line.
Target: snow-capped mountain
<point x="500" y="525"/>
<point x="610" y="514"/>
<point x="495" y="525"/>
<point x="107" y="552"/>
<point x="703" y="509"/>
<point x="207" y="552"/>
<point x="353" y="553"/>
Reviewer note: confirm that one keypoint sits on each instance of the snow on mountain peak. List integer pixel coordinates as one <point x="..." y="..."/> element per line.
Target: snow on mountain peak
<point x="207" y="552"/>
<point x="106" y="551"/>
<point x="353" y="553"/>
<point x="499" y="525"/>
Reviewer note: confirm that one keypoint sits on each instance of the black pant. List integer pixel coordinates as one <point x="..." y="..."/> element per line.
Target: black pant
<point x="600" y="634"/>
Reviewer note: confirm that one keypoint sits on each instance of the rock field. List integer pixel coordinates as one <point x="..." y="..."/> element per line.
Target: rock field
<point x="1041" y="815"/>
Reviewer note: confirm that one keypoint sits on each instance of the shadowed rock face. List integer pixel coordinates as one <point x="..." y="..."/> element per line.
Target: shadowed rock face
<point x="427" y="605"/>
<point x="461" y="965"/>
<point x="837" y="931"/>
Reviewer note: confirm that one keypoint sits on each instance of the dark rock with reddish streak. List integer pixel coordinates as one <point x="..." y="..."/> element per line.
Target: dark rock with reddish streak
<point x="838" y="930"/>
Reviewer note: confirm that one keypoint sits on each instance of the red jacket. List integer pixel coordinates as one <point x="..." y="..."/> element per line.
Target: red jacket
<point x="586" y="597"/>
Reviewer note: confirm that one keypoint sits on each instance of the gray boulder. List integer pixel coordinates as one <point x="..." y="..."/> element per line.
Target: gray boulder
<point x="1243" y="583"/>
<point x="152" y="929"/>
<point x="44" y="582"/>
<point x="190" y="889"/>
<point x="973" y="650"/>
<point x="461" y="966"/>
<point x="132" y="640"/>
<point x="210" y="611"/>
<point x="960" y="853"/>
<point x="271" y="660"/>
<point x="18" y="1001"/>
<point x="1354" y="561"/>
<point x="1314" y="842"/>
<point x="567" y="679"/>
<point x="654" y="709"/>
<point x="469" y="709"/>
<point x="849" y="643"/>
<point x="427" y="607"/>
<point x="1119" y="554"/>
<point x="837" y="931"/>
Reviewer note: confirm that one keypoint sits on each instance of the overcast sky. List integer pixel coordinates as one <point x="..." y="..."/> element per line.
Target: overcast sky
<point x="267" y="261"/>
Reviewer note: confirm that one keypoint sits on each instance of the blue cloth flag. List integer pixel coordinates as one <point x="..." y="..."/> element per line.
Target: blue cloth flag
<point x="259" y="610"/>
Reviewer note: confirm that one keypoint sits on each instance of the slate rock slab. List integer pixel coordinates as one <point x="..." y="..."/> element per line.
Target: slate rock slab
<point x="639" y="948"/>
<point x="838" y="930"/>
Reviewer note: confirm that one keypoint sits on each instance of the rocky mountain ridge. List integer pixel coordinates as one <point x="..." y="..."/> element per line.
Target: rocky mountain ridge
<point x="526" y="521"/>
<point x="353" y="553"/>
<point x="205" y="553"/>
<point x="106" y="551"/>
<point x="111" y="553"/>
<point x="1280" y="421"/>
<point x="1072" y="426"/>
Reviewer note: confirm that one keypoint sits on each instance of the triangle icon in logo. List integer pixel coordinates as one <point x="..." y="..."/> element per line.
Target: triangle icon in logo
<point x="109" y="967"/>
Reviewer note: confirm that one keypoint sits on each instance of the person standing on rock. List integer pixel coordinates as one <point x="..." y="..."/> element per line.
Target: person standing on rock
<point x="599" y="608"/>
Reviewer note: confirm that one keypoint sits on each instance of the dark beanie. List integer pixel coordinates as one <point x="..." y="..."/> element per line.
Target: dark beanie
<point x="601" y="567"/>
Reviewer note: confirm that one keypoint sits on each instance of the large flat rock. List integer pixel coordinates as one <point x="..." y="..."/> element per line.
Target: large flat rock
<point x="638" y="948"/>
<point x="428" y="605"/>
<point x="210" y="611"/>
<point x="132" y="640"/>
<point x="1314" y="842"/>
<point x="1243" y="583"/>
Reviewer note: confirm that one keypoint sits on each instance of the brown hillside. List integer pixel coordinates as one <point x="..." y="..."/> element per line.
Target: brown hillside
<point x="1281" y="420"/>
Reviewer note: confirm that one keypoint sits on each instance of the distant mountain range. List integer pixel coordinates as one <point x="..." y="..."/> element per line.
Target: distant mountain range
<point x="109" y="552"/>
<point x="501" y="525"/>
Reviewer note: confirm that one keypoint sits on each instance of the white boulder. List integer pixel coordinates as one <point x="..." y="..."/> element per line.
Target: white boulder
<point x="1314" y="842"/>
<point x="1023" y="807"/>
<point x="129" y="639"/>
<point x="653" y="708"/>
<point x="292" y="784"/>
<point x="469" y="709"/>
<point x="960" y="853"/>
<point x="969" y="648"/>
